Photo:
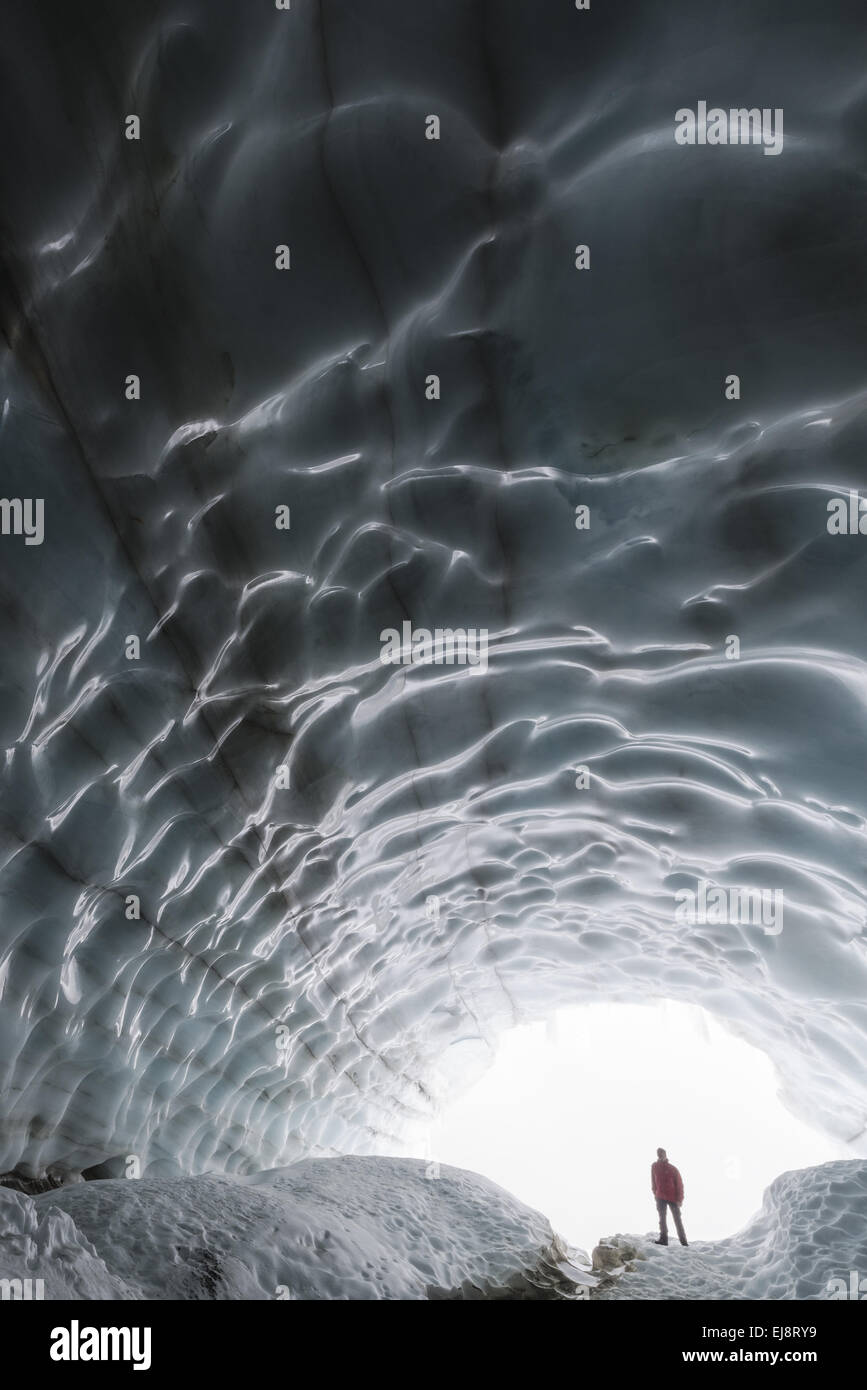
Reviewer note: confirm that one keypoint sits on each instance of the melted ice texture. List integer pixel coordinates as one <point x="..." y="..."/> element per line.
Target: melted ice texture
<point x="305" y="909"/>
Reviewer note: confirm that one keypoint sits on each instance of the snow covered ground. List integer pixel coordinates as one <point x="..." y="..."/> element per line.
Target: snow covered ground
<point x="387" y="1228"/>
<point x="810" y="1232"/>
<point x="342" y="1228"/>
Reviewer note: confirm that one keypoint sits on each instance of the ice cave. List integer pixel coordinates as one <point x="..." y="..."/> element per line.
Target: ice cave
<point x="288" y="366"/>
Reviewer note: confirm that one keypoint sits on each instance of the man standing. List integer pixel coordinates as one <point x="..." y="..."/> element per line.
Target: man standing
<point x="667" y="1187"/>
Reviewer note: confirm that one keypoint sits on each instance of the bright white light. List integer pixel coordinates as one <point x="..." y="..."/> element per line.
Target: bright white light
<point x="570" y="1115"/>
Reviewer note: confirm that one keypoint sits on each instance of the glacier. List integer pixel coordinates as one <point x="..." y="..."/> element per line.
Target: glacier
<point x="265" y="899"/>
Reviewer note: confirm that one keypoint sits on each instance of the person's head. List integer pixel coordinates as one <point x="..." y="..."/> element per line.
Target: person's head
<point x="660" y="1153"/>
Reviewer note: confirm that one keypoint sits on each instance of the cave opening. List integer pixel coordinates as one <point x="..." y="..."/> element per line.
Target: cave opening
<point x="570" y="1112"/>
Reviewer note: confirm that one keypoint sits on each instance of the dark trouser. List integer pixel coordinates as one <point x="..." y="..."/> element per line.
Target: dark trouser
<point x="661" y="1205"/>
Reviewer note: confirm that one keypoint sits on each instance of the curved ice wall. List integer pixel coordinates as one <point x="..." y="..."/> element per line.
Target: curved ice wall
<point x="349" y="875"/>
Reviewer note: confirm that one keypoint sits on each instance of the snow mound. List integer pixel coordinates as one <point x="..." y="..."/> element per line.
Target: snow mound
<point x="342" y="1228"/>
<point x="806" y="1242"/>
<point x="394" y="1228"/>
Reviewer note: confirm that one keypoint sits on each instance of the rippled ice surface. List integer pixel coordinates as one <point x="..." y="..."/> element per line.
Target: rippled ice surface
<point x="289" y="987"/>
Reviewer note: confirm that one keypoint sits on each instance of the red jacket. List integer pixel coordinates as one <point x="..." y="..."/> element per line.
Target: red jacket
<point x="666" y="1181"/>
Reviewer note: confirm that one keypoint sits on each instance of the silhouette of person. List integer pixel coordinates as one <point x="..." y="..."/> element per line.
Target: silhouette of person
<point x="667" y="1187"/>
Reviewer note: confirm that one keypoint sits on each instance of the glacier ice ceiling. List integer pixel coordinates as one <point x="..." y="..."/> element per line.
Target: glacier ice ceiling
<point x="351" y="875"/>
